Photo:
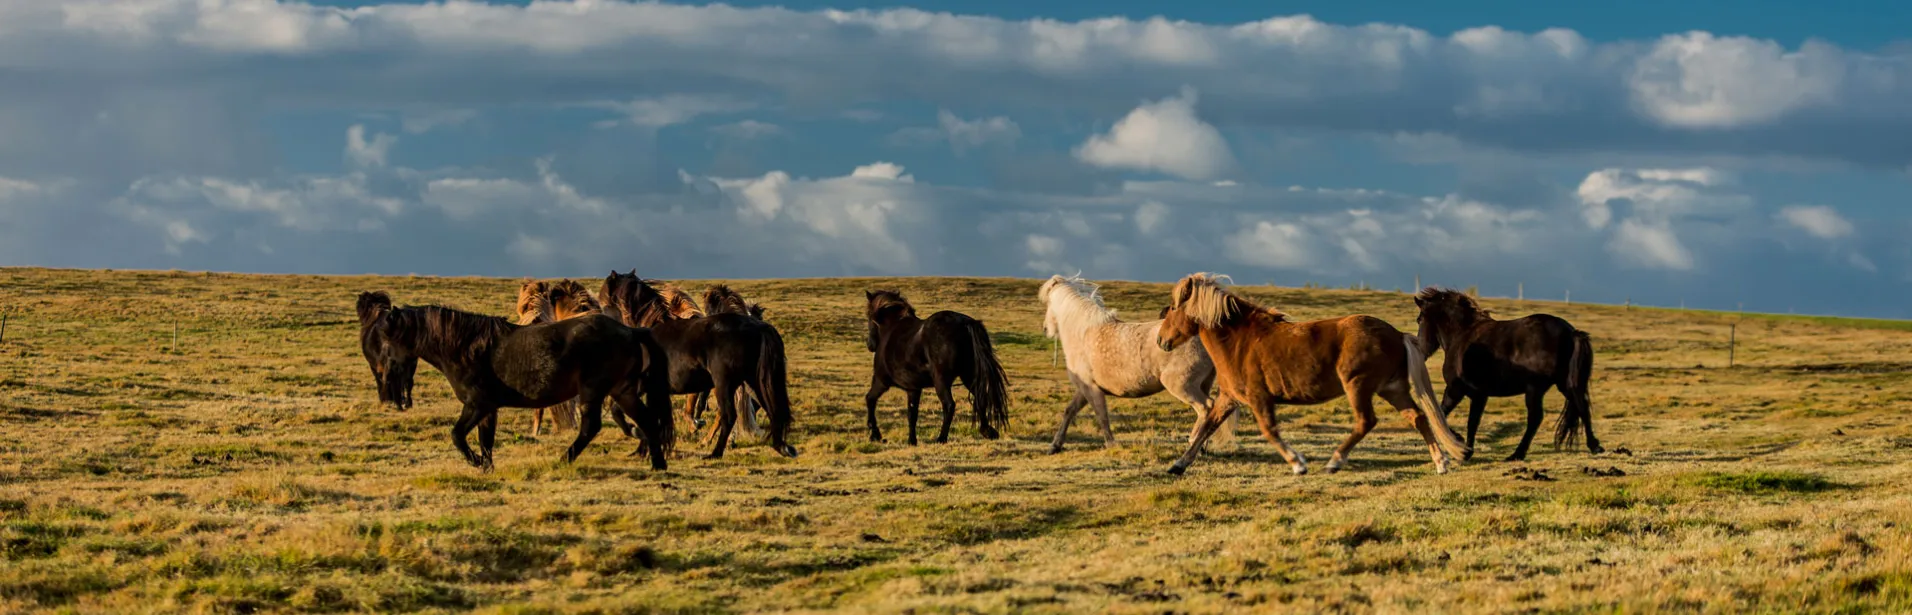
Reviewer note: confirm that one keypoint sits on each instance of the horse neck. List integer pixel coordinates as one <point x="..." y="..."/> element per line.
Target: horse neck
<point x="451" y="352"/>
<point x="1075" y="313"/>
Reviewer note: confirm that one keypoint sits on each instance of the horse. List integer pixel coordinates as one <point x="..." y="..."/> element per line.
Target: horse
<point x="1108" y="357"/>
<point x="916" y="353"/>
<point x="1263" y="359"/>
<point x="721" y="352"/>
<point x="493" y="363"/>
<point x="540" y="302"/>
<point x="1503" y="358"/>
<point x="722" y="299"/>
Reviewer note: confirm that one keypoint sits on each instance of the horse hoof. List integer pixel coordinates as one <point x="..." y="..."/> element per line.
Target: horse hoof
<point x="1301" y="469"/>
<point x="1467" y="456"/>
<point x="1177" y="469"/>
<point x="1596" y="449"/>
<point x="1055" y="449"/>
<point x="1517" y="457"/>
<point x="713" y="456"/>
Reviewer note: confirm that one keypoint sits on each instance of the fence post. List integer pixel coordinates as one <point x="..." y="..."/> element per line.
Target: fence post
<point x="1732" y="343"/>
<point x="1570" y="297"/>
<point x="3" y="326"/>
<point x="1520" y="292"/>
<point x="1417" y="283"/>
<point x="175" y="336"/>
<point x="1629" y="304"/>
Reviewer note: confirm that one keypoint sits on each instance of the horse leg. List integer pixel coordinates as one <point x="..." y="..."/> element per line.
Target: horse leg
<point x="1361" y="401"/>
<point x="726" y="394"/>
<point x="694" y="409"/>
<point x="537" y="422"/>
<point x="1404" y="402"/>
<point x="466" y="421"/>
<point x="912" y="401"/>
<point x="1264" y="410"/>
<point x="1100" y="401"/>
<point x="1068" y="416"/>
<point x="631" y="397"/>
<point x="877" y="388"/>
<point x="1536" y="412"/>
<point x="1582" y="403"/>
<point x="1216" y="414"/>
<point x="948" y="399"/>
<point x="488" y="436"/>
<point x="590" y="420"/>
<point x="1195" y="394"/>
<point x="748" y="405"/>
<point x="1451" y="399"/>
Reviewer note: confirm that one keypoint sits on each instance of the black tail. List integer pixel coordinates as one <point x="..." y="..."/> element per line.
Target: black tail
<point x="657" y="402"/>
<point x="773" y="391"/>
<point x="1579" y="402"/>
<point x="988" y="385"/>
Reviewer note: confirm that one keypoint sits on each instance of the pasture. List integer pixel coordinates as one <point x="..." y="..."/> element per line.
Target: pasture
<point x="248" y="468"/>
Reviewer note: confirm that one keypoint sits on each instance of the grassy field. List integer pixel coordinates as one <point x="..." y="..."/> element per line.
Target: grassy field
<point x="248" y="469"/>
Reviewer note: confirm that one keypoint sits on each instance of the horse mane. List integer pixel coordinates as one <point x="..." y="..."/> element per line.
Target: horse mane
<point x="1080" y="306"/>
<point x="1453" y="304"/>
<point x="1201" y="297"/>
<point x="721" y="299"/>
<point x="882" y="300"/>
<point x="371" y="305"/>
<point x="448" y="333"/>
<point x="678" y="300"/>
<point x="569" y="299"/>
<point x="534" y="302"/>
<point x="643" y="302"/>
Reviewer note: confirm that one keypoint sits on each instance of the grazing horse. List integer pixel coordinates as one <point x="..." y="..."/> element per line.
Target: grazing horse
<point x="721" y="352"/>
<point x="1108" y="357"/>
<point x="1263" y="359"/>
<point x="917" y="353"/>
<point x="1503" y="358"/>
<point x="492" y="363"/>
<point x="540" y="302"/>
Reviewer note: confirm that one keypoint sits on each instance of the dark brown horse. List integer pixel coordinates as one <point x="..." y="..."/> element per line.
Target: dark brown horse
<point x="724" y="353"/>
<point x="918" y="353"/>
<point x="541" y="302"/>
<point x="492" y="363"/>
<point x="722" y="299"/>
<point x="1503" y="358"/>
<point x="1263" y="359"/>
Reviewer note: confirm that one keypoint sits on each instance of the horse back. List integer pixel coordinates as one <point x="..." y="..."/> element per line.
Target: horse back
<point x="1534" y="347"/>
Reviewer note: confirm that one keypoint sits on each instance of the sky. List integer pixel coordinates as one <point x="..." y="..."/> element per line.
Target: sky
<point x="1720" y="155"/>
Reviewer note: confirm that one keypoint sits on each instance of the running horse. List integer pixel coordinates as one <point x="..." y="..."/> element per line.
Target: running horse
<point x="724" y="353"/>
<point x="492" y="363"/>
<point x="540" y="302"/>
<point x="1263" y="359"/>
<point x="1503" y="358"/>
<point x="917" y="353"/>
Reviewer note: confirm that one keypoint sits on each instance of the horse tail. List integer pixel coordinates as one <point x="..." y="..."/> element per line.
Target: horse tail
<point x="657" y="399"/>
<point x="773" y="389"/>
<point x="1579" y="402"/>
<point x="1423" y="386"/>
<point x="988" y="384"/>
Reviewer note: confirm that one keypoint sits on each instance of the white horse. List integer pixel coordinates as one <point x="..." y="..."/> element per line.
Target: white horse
<point x="1108" y="357"/>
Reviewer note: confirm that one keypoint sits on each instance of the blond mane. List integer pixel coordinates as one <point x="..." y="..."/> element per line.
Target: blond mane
<point x="1074" y="303"/>
<point x="534" y="306"/>
<point x="1201" y="297"/>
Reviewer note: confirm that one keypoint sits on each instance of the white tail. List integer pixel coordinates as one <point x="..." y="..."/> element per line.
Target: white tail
<point x="1423" y="386"/>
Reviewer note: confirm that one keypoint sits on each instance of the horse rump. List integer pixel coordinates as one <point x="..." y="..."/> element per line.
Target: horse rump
<point x="988" y="384"/>
<point x="1579" y="402"/>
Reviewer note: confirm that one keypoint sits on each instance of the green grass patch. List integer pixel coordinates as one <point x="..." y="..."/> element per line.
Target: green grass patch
<point x="1766" y="482"/>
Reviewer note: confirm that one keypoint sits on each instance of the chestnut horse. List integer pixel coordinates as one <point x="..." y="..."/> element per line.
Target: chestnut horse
<point x="492" y="363"/>
<point x="724" y="353"/>
<point x="918" y="353"/>
<point x="541" y="302"/>
<point x="1263" y="359"/>
<point x="1503" y="358"/>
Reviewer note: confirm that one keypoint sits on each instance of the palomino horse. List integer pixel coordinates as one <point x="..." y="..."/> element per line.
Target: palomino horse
<point x="541" y="302"/>
<point x="1107" y="357"/>
<point x="1263" y="359"/>
<point x="918" y="353"/>
<point x="492" y="363"/>
<point x="721" y="352"/>
<point x="1503" y="358"/>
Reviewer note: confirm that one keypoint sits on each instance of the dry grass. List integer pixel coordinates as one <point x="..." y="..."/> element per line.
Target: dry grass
<point x="249" y="470"/>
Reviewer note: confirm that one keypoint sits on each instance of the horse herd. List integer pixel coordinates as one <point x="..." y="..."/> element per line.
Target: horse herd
<point x="638" y="342"/>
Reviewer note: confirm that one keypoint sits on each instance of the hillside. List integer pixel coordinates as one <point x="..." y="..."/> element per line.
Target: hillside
<point x="248" y="468"/>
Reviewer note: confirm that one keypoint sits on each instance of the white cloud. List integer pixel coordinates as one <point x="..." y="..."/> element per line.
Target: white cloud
<point x="962" y="135"/>
<point x="1273" y="245"/>
<point x="1699" y="81"/>
<point x="420" y="122"/>
<point x="1816" y="220"/>
<point x="1649" y="244"/>
<point x="748" y="130"/>
<point x="671" y="109"/>
<point x="882" y="170"/>
<point x="362" y="152"/>
<point x="1164" y="136"/>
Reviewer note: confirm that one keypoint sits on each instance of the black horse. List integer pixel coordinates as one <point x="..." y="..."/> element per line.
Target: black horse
<point x="722" y="353"/>
<point x="1503" y="358"/>
<point x="918" y="353"/>
<point x="493" y="363"/>
<point x="722" y="299"/>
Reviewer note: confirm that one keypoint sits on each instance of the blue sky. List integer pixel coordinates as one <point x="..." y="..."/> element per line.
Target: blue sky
<point x="1711" y="153"/>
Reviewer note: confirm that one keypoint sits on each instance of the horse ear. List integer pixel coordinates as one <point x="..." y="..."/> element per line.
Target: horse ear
<point x="869" y="294"/>
<point x="1419" y="302"/>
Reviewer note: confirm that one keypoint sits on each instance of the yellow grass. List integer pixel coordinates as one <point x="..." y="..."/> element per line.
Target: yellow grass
<point x="250" y="470"/>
